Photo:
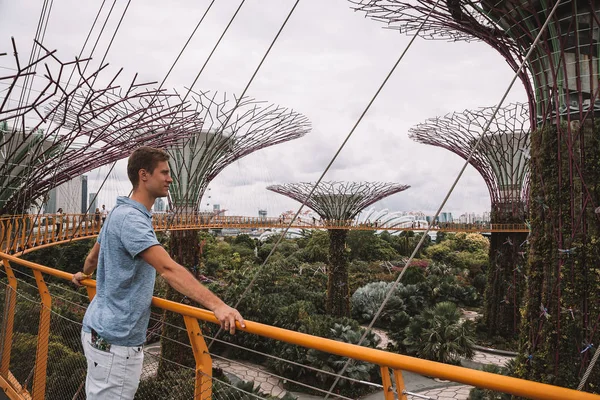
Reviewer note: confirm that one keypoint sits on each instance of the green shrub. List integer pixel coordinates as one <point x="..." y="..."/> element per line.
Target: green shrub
<point x="342" y="329"/>
<point x="65" y="370"/>
<point x="367" y="300"/>
<point x="438" y="334"/>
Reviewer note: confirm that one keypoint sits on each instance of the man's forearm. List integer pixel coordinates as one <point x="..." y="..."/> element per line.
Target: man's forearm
<point x="89" y="266"/>
<point x="91" y="261"/>
<point x="185" y="283"/>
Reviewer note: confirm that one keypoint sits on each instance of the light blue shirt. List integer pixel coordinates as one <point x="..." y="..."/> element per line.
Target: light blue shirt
<point x="120" y="311"/>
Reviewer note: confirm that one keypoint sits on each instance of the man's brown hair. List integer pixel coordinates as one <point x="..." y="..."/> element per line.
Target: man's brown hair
<point x="144" y="158"/>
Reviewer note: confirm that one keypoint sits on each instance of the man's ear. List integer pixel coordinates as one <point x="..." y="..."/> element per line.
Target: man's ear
<point x="143" y="175"/>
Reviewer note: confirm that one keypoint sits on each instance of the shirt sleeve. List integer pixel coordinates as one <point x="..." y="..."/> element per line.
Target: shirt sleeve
<point x="137" y="234"/>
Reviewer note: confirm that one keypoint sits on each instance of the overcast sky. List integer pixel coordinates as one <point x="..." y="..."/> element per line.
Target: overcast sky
<point x="327" y="64"/>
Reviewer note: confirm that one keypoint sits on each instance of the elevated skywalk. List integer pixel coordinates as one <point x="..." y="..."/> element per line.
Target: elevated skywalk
<point x="28" y="231"/>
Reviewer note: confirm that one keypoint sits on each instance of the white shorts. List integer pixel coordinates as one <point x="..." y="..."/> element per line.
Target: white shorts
<point x="113" y="374"/>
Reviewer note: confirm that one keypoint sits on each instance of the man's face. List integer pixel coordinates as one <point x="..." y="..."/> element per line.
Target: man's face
<point x="157" y="183"/>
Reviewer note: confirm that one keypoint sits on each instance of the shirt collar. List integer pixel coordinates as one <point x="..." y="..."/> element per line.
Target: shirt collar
<point x="122" y="200"/>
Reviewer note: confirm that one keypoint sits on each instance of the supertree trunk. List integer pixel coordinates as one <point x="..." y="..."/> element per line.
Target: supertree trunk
<point x="183" y="248"/>
<point x="338" y="294"/>
<point x="505" y="279"/>
<point x="502" y="161"/>
<point x="561" y="310"/>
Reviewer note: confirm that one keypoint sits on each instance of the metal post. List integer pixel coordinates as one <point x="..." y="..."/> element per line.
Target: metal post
<point x="203" y="388"/>
<point x="9" y="319"/>
<point x="41" y="356"/>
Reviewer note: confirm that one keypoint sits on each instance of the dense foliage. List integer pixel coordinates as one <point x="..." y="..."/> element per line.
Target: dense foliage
<point x="289" y="291"/>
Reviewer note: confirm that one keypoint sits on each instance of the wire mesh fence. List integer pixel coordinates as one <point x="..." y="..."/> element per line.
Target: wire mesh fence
<point x="25" y="338"/>
<point x="66" y="365"/>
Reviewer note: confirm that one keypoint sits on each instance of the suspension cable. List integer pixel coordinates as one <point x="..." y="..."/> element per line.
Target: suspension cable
<point x="223" y="126"/>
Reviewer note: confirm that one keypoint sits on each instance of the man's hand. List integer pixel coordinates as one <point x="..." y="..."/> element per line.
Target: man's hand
<point x="78" y="277"/>
<point x="227" y="317"/>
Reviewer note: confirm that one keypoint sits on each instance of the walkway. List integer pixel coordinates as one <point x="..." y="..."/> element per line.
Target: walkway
<point x="21" y="232"/>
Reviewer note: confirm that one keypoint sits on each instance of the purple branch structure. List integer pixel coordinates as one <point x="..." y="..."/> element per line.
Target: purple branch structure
<point x="502" y="157"/>
<point x="232" y="129"/>
<point x="69" y="128"/>
<point x="339" y="201"/>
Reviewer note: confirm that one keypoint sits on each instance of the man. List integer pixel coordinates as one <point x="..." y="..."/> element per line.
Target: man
<point x="104" y="213"/>
<point x="128" y="255"/>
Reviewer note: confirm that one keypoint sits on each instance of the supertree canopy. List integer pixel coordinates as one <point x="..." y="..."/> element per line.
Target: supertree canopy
<point x="229" y="133"/>
<point x="71" y="126"/>
<point x="562" y="308"/>
<point x="338" y="203"/>
<point x="502" y="160"/>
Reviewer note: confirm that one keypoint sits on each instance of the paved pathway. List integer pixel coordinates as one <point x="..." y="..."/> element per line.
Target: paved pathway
<point x="252" y="372"/>
<point x="448" y="393"/>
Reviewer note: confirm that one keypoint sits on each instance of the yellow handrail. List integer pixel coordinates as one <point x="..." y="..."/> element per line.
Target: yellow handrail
<point x="398" y="363"/>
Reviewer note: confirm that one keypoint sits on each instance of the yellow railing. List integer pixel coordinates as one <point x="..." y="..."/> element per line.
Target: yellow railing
<point x="385" y="360"/>
<point x="27" y="231"/>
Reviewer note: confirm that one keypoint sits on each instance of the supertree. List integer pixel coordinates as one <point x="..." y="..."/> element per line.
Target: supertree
<point x="562" y="309"/>
<point x="501" y="159"/>
<point x="67" y="129"/>
<point x="338" y="203"/>
<point x="232" y="129"/>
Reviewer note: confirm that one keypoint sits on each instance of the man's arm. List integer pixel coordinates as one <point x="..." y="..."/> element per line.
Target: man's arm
<point x="185" y="283"/>
<point x="89" y="266"/>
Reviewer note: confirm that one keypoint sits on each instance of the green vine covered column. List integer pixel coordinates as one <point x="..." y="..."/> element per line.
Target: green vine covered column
<point x="183" y="248"/>
<point x="505" y="279"/>
<point x="562" y="309"/>
<point x="338" y="294"/>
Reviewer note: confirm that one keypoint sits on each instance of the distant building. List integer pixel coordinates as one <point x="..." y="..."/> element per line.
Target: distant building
<point x="469" y="218"/>
<point x="445" y="217"/>
<point x="67" y="196"/>
<point x="93" y="203"/>
<point x="160" y="205"/>
<point x="486" y="218"/>
<point x="84" y="193"/>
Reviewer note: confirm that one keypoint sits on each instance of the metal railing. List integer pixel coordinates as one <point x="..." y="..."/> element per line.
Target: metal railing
<point x="42" y="317"/>
<point x="21" y="232"/>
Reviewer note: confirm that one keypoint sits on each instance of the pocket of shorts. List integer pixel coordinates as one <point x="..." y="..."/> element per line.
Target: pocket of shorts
<point x="99" y="364"/>
<point x="136" y="352"/>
